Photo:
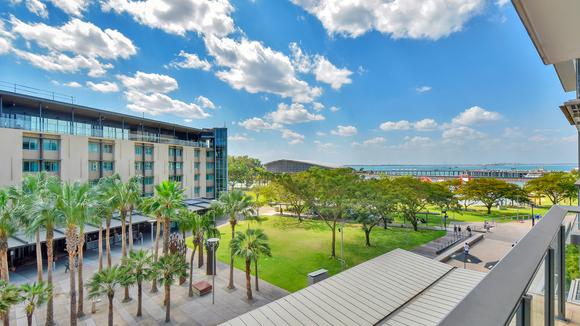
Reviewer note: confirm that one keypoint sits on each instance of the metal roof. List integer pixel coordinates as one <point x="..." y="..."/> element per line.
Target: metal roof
<point x="385" y="289"/>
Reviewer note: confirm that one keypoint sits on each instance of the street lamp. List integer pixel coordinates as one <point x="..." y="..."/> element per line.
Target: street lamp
<point x="445" y="216"/>
<point x="533" y="217"/>
<point x="341" y="230"/>
<point x="213" y="244"/>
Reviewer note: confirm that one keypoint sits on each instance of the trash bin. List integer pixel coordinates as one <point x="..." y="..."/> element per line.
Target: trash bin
<point x="317" y="276"/>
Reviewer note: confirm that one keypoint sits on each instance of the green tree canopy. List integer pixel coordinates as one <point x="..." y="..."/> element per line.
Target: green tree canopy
<point x="488" y="191"/>
<point x="554" y="185"/>
<point x="243" y="170"/>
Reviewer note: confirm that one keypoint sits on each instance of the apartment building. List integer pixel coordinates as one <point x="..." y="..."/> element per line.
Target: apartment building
<point x="81" y="143"/>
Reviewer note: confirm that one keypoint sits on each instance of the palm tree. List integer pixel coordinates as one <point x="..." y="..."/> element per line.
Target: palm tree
<point x="149" y="206"/>
<point x="138" y="269"/>
<point x="167" y="269"/>
<point x="169" y="200"/>
<point x="72" y="202"/>
<point x="9" y="296"/>
<point x="9" y="209"/>
<point x="261" y="248"/>
<point x="35" y="295"/>
<point x="134" y="187"/>
<point x="234" y="204"/>
<point x="104" y="194"/>
<point x="45" y="215"/>
<point x="123" y="198"/>
<point x="242" y="245"/>
<point x="105" y="283"/>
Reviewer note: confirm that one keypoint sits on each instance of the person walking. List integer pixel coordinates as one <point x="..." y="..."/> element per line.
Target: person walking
<point x="459" y="230"/>
<point x="465" y="254"/>
<point x="455" y="229"/>
<point x="469" y="230"/>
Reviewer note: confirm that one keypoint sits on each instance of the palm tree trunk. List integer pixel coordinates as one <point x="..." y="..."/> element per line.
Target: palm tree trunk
<point x="71" y="247"/>
<point x="191" y="270"/>
<point x="111" y="310"/>
<point x="165" y="235"/>
<point x="50" y="258"/>
<point x="200" y="255"/>
<point x="248" y="279"/>
<point x="167" y="302"/>
<point x="81" y="312"/>
<point x="156" y="255"/>
<point x="100" y="247"/>
<point x="131" y="230"/>
<point x="124" y="248"/>
<point x="108" y="242"/>
<point x="39" y="267"/>
<point x="4" y="271"/>
<point x="139" y="298"/>
<point x="231" y="283"/>
<point x="256" y="274"/>
<point x="29" y="319"/>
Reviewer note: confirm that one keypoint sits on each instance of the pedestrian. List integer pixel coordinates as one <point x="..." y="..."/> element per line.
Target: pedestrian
<point x="66" y="267"/>
<point x="455" y="229"/>
<point x="469" y="230"/>
<point x="459" y="229"/>
<point x="466" y="249"/>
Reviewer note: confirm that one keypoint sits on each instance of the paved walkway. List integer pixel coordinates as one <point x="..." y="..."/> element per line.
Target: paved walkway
<point x="184" y="310"/>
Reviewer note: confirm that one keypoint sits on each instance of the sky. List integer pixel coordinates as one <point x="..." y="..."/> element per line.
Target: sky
<point x="331" y="81"/>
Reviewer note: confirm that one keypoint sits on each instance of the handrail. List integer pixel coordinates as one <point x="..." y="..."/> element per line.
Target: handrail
<point x="27" y="90"/>
<point x="495" y="299"/>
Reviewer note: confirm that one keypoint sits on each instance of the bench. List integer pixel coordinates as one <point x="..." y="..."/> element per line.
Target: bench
<point x="202" y="288"/>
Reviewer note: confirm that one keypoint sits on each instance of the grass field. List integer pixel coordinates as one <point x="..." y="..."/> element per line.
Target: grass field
<point x="300" y="248"/>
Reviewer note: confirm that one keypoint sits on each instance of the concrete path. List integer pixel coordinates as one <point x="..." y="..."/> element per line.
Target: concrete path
<point x="184" y="310"/>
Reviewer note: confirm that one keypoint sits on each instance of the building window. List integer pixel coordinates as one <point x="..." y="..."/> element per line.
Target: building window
<point x="196" y="191"/>
<point x="209" y="154"/>
<point x="147" y="194"/>
<point x="93" y="166"/>
<point x="30" y="144"/>
<point x="94" y="148"/>
<point x="107" y="166"/>
<point x="175" y="178"/>
<point x="50" y="145"/>
<point x="178" y="165"/>
<point x="171" y="165"/>
<point x="138" y="150"/>
<point x="196" y="153"/>
<point x="108" y="148"/>
<point x="171" y="151"/>
<point x="196" y="177"/>
<point x="208" y="189"/>
<point x="30" y="166"/>
<point x="138" y="166"/>
<point x="196" y="165"/>
<point x="209" y="176"/>
<point x="93" y="183"/>
<point x="148" y="150"/>
<point x="148" y="181"/>
<point x="50" y="166"/>
<point x="178" y="152"/>
<point x="148" y="166"/>
<point x="209" y="165"/>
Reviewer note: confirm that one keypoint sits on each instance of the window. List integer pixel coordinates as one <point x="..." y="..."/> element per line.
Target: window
<point x="196" y="177"/>
<point x="148" y="166"/>
<point x="50" y="144"/>
<point x="30" y="144"/>
<point x="209" y="154"/>
<point x="196" y="165"/>
<point x="175" y="178"/>
<point x="50" y="166"/>
<point x="148" y="150"/>
<point x="178" y="165"/>
<point x="196" y="191"/>
<point x="93" y="166"/>
<point x="138" y="166"/>
<point x="107" y="166"/>
<point x="147" y="194"/>
<point x="171" y="151"/>
<point x="171" y="166"/>
<point x="138" y="150"/>
<point x="178" y="152"/>
<point x="209" y="166"/>
<point x="148" y="181"/>
<point x="93" y="183"/>
<point x="94" y="148"/>
<point x="196" y="153"/>
<point x="107" y="148"/>
<point x="208" y="189"/>
<point x="209" y="176"/>
<point x="30" y="166"/>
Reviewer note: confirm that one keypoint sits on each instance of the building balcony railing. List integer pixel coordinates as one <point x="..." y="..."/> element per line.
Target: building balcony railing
<point x="82" y="129"/>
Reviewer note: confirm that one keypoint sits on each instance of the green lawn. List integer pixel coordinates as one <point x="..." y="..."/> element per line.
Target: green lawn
<point x="300" y="248"/>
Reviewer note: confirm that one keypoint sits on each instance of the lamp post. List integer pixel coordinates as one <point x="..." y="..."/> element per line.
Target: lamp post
<point x="445" y="219"/>
<point x="533" y="217"/>
<point x="341" y="230"/>
<point x="213" y="243"/>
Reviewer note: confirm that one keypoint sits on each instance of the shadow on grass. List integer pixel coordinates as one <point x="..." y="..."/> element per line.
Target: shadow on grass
<point x="292" y="223"/>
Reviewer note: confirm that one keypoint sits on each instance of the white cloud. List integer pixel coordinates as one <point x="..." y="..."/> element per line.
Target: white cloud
<point x="294" y="113"/>
<point x="190" y="61"/>
<point x="239" y="137"/>
<point x="72" y="84"/>
<point x="62" y="63"/>
<point x="253" y="67"/>
<point x="475" y="115"/>
<point x="430" y="19"/>
<point x="334" y="109"/>
<point x="293" y="137"/>
<point x="425" y="125"/>
<point x="104" y="87"/>
<point x="323" y="70"/>
<point x="513" y="132"/>
<point x="370" y="142"/>
<point x="344" y="131"/>
<point x="395" y="125"/>
<point x="461" y="134"/>
<point x="178" y="16"/>
<point x="77" y="37"/>
<point x="317" y="106"/>
<point x="416" y="141"/>
<point x="72" y="7"/>
<point x="257" y="124"/>
<point x="320" y="133"/>
<point x="157" y="103"/>
<point x="501" y="3"/>
<point x="324" y="146"/>
<point x="34" y="6"/>
<point x="149" y="83"/>
<point x="205" y="102"/>
<point x="423" y="89"/>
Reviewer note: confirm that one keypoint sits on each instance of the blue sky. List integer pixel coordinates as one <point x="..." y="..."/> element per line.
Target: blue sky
<point x="337" y="81"/>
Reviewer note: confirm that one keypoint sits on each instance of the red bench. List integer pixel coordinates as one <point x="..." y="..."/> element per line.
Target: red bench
<point x="202" y="287"/>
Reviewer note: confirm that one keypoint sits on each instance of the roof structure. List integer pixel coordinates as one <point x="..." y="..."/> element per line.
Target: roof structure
<point x="387" y="290"/>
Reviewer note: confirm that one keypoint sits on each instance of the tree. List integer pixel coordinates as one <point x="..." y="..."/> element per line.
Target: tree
<point x="293" y="186"/>
<point x="34" y="295"/>
<point x="105" y="196"/>
<point x="72" y="202"/>
<point x="167" y="269"/>
<point x="234" y="204"/>
<point x="150" y="206"/>
<point x="249" y="245"/>
<point x="329" y="195"/>
<point x="9" y="296"/>
<point x="413" y="195"/>
<point x="242" y="170"/>
<point x="138" y="268"/>
<point x="199" y="225"/>
<point x="105" y="283"/>
<point x="554" y="185"/>
<point x="169" y="200"/>
<point x="261" y="249"/>
<point x="487" y="190"/>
